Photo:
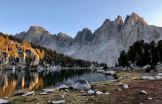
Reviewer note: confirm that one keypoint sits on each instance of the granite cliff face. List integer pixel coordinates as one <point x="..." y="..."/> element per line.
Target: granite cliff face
<point x="104" y="45"/>
<point x="135" y="28"/>
<point x="83" y="37"/>
<point x="108" y="30"/>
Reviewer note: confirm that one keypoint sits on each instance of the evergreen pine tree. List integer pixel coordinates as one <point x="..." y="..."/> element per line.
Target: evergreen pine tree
<point x="123" y="59"/>
<point x="155" y="56"/>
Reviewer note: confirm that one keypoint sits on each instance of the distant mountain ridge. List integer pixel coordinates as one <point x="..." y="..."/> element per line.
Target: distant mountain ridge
<point x="104" y="45"/>
<point x="18" y="54"/>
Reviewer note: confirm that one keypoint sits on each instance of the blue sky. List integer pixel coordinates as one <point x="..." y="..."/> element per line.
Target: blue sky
<point x="70" y="16"/>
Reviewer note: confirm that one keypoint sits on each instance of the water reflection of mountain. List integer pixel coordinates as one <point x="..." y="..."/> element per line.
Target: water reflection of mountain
<point x="25" y="80"/>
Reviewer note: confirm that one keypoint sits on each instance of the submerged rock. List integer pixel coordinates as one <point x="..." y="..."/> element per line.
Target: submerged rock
<point x="82" y="85"/>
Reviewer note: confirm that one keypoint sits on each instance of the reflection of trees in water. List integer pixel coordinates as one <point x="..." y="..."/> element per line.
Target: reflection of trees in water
<point x="10" y="81"/>
<point x="8" y="75"/>
<point x="7" y="84"/>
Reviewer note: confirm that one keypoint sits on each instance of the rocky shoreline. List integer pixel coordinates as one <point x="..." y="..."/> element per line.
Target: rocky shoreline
<point x="100" y="92"/>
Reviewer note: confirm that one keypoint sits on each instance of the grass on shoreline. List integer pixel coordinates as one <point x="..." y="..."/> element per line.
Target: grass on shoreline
<point x="76" y="97"/>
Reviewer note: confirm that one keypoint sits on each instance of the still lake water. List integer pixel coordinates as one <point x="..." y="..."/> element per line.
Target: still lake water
<point x="10" y="81"/>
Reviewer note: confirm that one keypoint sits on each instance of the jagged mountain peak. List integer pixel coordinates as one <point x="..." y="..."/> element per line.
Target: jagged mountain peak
<point x="86" y="29"/>
<point x="119" y="17"/>
<point x="119" y="20"/>
<point x="108" y="30"/>
<point x="106" y="22"/>
<point x="135" y="15"/>
<point x="135" y="28"/>
<point x="134" y="18"/>
<point x="63" y="36"/>
<point x="110" y="24"/>
<point x="37" y="30"/>
<point x="104" y="45"/>
<point x="84" y="36"/>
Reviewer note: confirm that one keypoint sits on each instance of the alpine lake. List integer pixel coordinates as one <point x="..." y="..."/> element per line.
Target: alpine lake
<point x="11" y="81"/>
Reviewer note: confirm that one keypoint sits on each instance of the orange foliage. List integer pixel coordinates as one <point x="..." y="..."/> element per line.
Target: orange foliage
<point x="11" y="47"/>
<point x="40" y="53"/>
<point x="26" y="45"/>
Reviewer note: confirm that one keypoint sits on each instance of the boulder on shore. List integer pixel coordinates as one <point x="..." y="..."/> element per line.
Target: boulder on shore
<point x="111" y="72"/>
<point x="146" y="67"/>
<point x="159" y="74"/>
<point x="62" y="87"/>
<point x="143" y="92"/>
<point x="148" y="78"/>
<point x="20" y="92"/>
<point x="124" y="86"/>
<point x="3" y="101"/>
<point x="49" y="90"/>
<point x="58" y="102"/>
<point x="158" y="77"/>
<point x="99" y="92"/>
<point x="90" y="92"/>
<point x="81" y="85"/>
<point x="29" y="93"/>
